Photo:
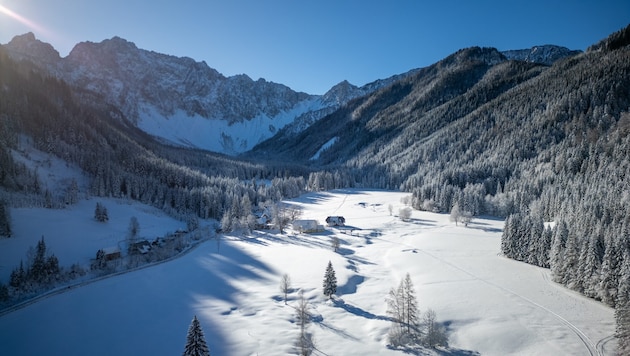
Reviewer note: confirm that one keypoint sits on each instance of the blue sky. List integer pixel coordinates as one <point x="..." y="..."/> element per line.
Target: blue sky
<point x="312" y="45"/>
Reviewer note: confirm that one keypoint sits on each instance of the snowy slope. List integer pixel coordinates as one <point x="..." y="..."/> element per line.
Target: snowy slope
<point x="490" y="305"/>
<point x="216" y="135"/>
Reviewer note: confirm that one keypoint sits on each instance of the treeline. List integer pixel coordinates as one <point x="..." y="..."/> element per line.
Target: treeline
<point x="41" y="271"/>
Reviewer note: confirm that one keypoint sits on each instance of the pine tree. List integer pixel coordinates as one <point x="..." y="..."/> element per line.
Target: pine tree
<point x="100" y="213"/>
<point x="330" y="281"/>
<point x="622" y="312"/>
<point x="37" y="271"/>
<point x="4" y="293"/>
<point x="410" y="307"/>
<point x="556" y="255"/>
<point x="195" y="341"/>
<point x="5" y="220"/>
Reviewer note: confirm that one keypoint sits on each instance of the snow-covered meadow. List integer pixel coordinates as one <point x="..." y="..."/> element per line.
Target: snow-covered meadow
<point x="490" y="305"/>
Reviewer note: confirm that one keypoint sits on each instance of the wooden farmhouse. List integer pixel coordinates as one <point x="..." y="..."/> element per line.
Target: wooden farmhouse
<point x="336" y="221"/>
<point x="307" y="226"/>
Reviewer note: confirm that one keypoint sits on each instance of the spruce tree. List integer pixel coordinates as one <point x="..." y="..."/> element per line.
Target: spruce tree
<point x="195" y="341"/>
<point x="330" y="281"/>
<point x="622" y="313"/>
<point x="5" y="220"/>
<point x="100" y="213"/>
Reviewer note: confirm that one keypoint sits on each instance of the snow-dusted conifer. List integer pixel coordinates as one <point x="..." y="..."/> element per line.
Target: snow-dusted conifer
<point x="330" y="281"/>
<point x="100" y="213"/>
<point x="5" y="220"/>
<point x="622" y="312"/>
<point x="195" y="341"/>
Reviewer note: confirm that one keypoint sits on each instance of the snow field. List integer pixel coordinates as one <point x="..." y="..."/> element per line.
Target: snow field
<point x="73" y="234"/>
<point x="489" y="304"/>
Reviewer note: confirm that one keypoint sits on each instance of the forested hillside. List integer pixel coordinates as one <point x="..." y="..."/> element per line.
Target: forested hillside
<point x="118" y="159"/>
<point x="475" y="131"/>
<point x="530" y="142"/>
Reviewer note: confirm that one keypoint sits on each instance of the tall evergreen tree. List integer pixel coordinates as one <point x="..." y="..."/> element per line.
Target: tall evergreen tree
<point x="195" y="341"/>
<point x="330" y="281"/>
<point x="100" y="213"/>
<point x="5" y="220"/>
<point x="622" y="313"/>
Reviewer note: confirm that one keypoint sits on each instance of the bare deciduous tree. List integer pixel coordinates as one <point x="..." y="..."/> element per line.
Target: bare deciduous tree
<point x="285" y="286"/>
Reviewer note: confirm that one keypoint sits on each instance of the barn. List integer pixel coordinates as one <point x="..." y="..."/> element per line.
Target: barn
<point x="336" y="221"/>
<point x="307" y="226"/>
<point x="109" y="253"/>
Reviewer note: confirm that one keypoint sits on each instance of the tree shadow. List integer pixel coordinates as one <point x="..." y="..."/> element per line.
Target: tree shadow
<point x="351" y="285"/>
<point x="477" y="225"/>
<point x="340" y="303"/>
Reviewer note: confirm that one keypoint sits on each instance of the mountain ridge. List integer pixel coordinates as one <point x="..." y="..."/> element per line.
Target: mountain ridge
<point x="186" y="102"/>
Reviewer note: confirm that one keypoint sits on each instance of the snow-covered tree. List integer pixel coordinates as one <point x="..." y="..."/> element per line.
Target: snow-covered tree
<point x="335" y="243"/>
<point x="304" y="343"/>
<point x="134" y="228"/>
<point x="5" y="220"/>
<point x="622" y="313"/>
<point x="456" y="213"/>
<point x="330" y="281"/>
<point x="460" y="215"/>
<point x="402" y="307"/>
<point x="4" y="292"/>
<point x="100" y="213"/>
<point x="434" y="333"/>
<point x="195" y="341"/>
<point x="404" y="213"/>
<point x="285" y="286"/>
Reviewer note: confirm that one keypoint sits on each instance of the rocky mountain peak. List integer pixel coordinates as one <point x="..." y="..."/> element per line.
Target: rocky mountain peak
<point x="546" y="54"/>
<point x="341" y="93"/>
<point x="487" y="55"/>
<point x="26" y="46"/>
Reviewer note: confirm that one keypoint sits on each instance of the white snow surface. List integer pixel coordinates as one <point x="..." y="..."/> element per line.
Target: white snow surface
<point x="218" y="135"/>
<point x="324" y="147"/>
<point x="490" y="305"/>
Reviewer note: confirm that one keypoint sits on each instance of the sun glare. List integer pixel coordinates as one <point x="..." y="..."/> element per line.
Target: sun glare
<point x="21" y="19"/>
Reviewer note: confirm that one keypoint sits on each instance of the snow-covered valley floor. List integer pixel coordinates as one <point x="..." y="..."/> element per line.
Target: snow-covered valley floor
<point x="490" y="305"/>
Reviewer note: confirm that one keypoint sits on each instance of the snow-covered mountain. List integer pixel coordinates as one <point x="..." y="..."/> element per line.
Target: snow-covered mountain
<point x="546" y="54"/>
<point x="185" y="102"/>
<point x="175" y="98"/>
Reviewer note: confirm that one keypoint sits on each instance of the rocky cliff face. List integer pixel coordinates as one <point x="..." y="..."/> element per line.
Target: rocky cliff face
<point x="546" y="54"/>
<point x="152" y="88"/>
